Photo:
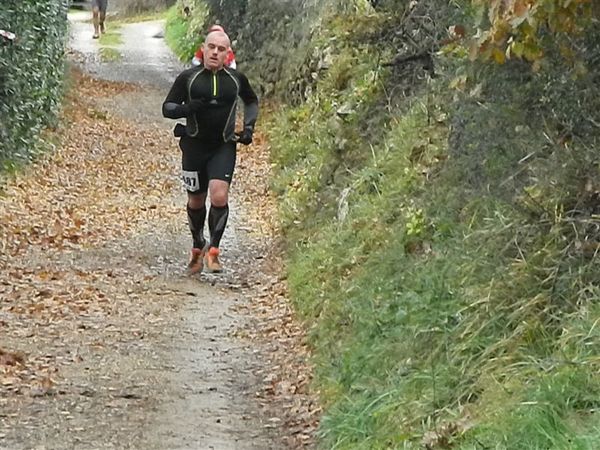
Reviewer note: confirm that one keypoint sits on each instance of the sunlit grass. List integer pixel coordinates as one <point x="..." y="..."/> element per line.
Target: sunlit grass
<point x="112" y="38"/>
<point x="142" y="17"/>
<point x="109" y="54"/>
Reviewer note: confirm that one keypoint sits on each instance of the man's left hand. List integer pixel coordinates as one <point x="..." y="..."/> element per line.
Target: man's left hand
<point x="245" y="137"/>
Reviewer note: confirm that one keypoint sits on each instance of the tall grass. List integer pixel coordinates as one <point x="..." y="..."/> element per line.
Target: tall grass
<point x="450" y="290"/>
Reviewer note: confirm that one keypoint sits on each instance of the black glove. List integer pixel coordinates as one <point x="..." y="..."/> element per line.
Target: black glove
<point x="245" y="137"/>
<point x="179" y="130"/>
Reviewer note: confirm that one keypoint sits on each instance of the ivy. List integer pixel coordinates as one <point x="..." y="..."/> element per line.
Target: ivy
<point x="31" y="74"/>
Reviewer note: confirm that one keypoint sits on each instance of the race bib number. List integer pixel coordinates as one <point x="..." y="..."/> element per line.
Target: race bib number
<point x="190" y="180"/>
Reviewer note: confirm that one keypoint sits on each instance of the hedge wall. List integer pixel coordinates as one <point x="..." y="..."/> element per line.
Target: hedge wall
<point x="31" y="74"/>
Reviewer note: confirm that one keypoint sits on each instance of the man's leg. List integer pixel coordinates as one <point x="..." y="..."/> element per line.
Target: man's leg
<point x="195" y="179"/>
<point x="103" y="6"/>
<point x="219" y="210"/>
<point x="96" y="20"/>
<point x="217" y="221"/>
<point x="220" y="172"/>
<point x="196" y="212"/>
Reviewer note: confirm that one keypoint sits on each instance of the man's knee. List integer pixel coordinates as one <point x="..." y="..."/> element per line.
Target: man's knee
<point x="196" y="201"/>
<point x="219" y="192"/>
<point x="219" y="196"/>
<point x="219" y="199"/>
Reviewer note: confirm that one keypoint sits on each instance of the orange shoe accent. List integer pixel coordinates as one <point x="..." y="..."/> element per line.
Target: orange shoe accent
<point x="212" y="260"/>
<point x="196" y="263"/>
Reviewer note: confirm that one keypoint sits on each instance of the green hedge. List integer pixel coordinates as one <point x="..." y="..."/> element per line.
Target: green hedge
<point x="31" y="74"/>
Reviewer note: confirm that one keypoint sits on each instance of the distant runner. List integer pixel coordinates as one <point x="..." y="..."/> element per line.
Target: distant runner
<point x="99" y="16"/>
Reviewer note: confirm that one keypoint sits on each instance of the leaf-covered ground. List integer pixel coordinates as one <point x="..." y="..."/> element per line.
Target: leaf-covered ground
<point x="104" y="343"/>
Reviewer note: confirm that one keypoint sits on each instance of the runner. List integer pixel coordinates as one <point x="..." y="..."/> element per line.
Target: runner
<point x="206" y="96"/>
<point x="99" y="16"/>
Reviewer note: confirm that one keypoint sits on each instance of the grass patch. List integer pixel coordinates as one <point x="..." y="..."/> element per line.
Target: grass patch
<point x="112" y="38"/>
<point x="109" y="54"/>
<point x="118" y="20"/>
<point x="109" y="43"/>
<point x="141" y="17"/>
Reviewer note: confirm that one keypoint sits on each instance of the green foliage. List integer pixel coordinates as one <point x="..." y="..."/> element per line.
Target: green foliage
<point x="443" y="248"/>
<point x="31" y="75"/>
<point x="112" y="38"/>
<point x="442" y="235"/>
<point x="185" y="32"/>
<point x="108" y="54"/>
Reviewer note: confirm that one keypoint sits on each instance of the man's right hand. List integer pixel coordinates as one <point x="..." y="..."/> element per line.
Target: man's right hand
<point x="245" y="137"/>
<point x="179" y="130"/>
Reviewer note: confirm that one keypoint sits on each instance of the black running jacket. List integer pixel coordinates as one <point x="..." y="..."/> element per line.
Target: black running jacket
<point x="217" y="95"/>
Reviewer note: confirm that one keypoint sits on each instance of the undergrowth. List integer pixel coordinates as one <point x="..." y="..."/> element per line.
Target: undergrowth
<point x="443" y="250"/>
<point x="184" y="32"/>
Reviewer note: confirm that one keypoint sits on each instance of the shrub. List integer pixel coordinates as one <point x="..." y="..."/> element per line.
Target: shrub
<point x="31" y="74"/>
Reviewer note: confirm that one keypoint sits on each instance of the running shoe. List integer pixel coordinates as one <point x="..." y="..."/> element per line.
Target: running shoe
<point x="212" y="260"/>
<point x="196" y="263"/>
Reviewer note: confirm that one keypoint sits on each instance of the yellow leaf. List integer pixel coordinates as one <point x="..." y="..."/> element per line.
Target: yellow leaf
<point x="516" y="48"/>
<point x="498" y="56"/>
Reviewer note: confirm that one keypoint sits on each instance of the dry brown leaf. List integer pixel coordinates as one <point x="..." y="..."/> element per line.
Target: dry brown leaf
<point x="11" y="358"/>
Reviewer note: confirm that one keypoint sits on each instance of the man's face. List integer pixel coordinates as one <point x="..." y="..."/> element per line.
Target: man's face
<point x="216" y="47"/>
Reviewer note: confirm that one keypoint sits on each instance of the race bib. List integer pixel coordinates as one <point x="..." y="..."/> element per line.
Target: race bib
<point x="190" y="180"/>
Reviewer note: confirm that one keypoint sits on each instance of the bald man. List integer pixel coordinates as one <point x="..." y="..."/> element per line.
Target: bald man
<point x="207" y="96"/>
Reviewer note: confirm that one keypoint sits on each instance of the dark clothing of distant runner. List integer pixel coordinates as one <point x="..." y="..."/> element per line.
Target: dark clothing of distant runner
<point x="101" y="5"/>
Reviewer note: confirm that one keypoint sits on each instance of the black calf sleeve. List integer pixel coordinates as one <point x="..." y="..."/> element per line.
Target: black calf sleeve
<point x="196" y="218"/>
<point x="217" y="219"/>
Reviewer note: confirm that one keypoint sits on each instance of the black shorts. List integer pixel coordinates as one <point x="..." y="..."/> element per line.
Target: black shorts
<point x="100" y="4"/>
<point x="201" y="164"/>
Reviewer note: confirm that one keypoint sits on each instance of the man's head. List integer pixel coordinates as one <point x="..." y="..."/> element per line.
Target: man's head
<point x="216" y="47"/>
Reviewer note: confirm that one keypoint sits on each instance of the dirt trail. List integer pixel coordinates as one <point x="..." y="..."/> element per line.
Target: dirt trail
<point x="104" y="342"/>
